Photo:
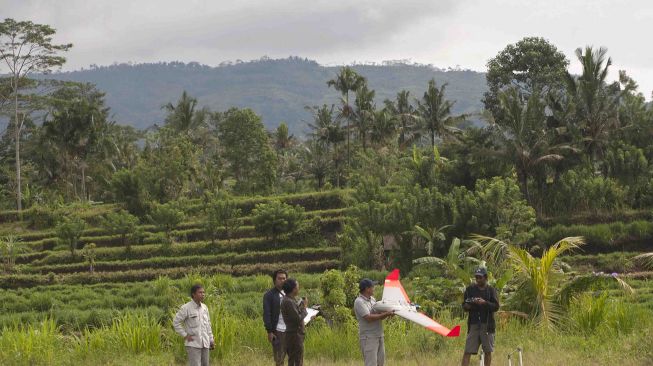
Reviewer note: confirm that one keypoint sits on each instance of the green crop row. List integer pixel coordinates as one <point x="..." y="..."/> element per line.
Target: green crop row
<point x="174" y="250"/>
<point x="283" y="255"/>
<point x="601" y="237"/>
<point x="603" y="262"/>
<point x="188" y="231"/>
<point x="594" y="218"/>
<point x="31" y="280"/>
<point x="310" y="201"/>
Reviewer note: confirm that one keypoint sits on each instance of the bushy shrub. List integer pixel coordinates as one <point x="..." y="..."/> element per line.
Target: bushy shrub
<point x="580" y="191"/>
<point x="121" y="223"/>
<point x="332" y="286"/>
<point x="166" y="217"/>
<point x="69" y="231"/>
<point x="222" y="215"/>
<point x="276" y="218"/>
<point x="127" y="189"/>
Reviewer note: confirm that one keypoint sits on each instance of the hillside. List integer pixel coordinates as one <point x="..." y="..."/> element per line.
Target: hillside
<point x="278" y="90"/>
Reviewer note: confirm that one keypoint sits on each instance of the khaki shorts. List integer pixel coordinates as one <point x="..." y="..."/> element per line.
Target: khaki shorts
<point x="477" y="336"/>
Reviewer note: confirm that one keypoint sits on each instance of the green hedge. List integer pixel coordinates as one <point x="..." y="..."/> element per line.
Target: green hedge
<point x="283" y="255"/>
<point x="602" y="237"/>
<point x="593" y="218"/>
<point x="604" y="262"/>
<point x="32" y="280"/>
<point x="178" y="249"/>
<point x="190" y="231"/>
<point x="310" y="201"/>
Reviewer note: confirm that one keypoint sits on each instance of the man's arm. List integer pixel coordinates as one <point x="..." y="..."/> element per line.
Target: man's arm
<point x="267" y="314"/>
<point x="363" y="312"/>
<point x="493" y="304"/>
<point x="376" y="317"/>
<point x="212" y="340"/>
<point x="178" y="322"/>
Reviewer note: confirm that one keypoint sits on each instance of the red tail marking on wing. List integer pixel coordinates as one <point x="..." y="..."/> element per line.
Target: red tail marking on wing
<point x="455" y="332"/>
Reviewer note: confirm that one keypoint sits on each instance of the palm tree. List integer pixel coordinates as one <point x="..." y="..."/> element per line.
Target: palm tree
<point x="77" y="129"/>
<point x="345" y="81"/>
<point x="406" y="114"/>
<point x="645" y="259"/>
<point x="543" y="289"/>
<point x="324" y="127"/>
<point x="282" y="138"/>
<point x="316" y="160"/>
<point x="433" y="237"/>
<point x="327" y="131"/>
<point x="435" y="113"/>
<point x="384" y="127"/>
<point x="524" y="136"/>
<point x="363" y="114"/>
<point x="595" y="103"/>
<point x="456" y="263"/>
<point x="183" y="117"/>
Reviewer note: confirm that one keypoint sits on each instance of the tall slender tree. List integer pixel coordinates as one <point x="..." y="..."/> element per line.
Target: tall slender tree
<point x="184" y="116"/>
<point x="406" y="115"/>
<point x="364" y="113"/>
<point x="346" y="80"/>
<point x="524" y="137"/>
<point x="435" y="113"/>
<point x="595" y="103"/>
<point x="26" y="48"/>
<point x="326" y="131"/>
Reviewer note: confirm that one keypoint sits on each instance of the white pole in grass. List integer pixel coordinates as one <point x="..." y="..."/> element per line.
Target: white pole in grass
<point x="521" y="361"/>
<point x="509" y="360"/>
<point x="482" y="359"/>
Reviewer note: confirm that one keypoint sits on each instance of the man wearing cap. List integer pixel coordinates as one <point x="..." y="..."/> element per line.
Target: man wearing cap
<point x="481" y="301"/>
<point x="370" y="329"/>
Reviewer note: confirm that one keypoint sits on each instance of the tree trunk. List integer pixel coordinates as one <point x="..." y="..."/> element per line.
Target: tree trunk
<point x="85" y="198"/>
<point x="523" y="182"/>
<point x="19" y="193"/>
<point x="347" y="116"/>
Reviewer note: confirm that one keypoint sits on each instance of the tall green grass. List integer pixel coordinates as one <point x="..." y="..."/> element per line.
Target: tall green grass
<point x="241" y="340"/>
<point x="31" y="344"/>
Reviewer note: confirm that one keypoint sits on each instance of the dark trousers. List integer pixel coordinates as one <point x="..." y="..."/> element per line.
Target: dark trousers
<point x="279" y="348"/>
<point x="295" y="349"/>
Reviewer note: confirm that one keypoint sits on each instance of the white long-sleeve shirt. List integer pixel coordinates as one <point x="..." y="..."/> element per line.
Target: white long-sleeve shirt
<point x="193" y="320"/>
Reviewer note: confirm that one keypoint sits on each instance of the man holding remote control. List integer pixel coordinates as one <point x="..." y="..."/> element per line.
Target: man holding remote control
<point x="481" y="301"/>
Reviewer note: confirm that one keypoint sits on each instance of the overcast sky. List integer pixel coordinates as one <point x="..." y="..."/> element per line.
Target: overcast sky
<point x="439" y="32"/>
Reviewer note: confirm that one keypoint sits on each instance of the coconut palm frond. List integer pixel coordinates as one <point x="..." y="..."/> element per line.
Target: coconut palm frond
<point x="584" y="283"/>
<point x="645" y="259"/>
<point x="492" y="249"/>
<point x="431" y="260"/>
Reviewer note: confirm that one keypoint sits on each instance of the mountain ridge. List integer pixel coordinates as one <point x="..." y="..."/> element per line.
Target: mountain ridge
<point x="277" y="89"/>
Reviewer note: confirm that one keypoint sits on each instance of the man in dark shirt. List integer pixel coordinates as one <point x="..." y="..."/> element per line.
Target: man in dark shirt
<point x="272" y="318"/>
<point x="481" y="301"/>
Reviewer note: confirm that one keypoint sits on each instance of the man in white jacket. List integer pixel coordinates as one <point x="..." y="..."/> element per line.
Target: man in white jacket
<point x="193" y="323"/>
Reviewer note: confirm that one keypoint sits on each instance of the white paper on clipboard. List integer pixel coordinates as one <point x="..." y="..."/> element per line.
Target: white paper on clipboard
<point x="311" y="314"/>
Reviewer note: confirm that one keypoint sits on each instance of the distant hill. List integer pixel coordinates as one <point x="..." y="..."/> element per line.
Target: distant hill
<point x="278" y="90"/>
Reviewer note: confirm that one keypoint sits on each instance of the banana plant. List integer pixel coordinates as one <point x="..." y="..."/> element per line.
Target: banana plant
<point x="456" y="263"/>
<point x="433" y="237"/>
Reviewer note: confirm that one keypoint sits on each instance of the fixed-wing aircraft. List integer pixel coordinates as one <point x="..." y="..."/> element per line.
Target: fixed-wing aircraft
<point x="396" y="300"/>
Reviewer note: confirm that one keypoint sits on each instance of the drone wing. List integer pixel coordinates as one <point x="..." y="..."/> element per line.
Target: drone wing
<point x="393" y="290"/>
